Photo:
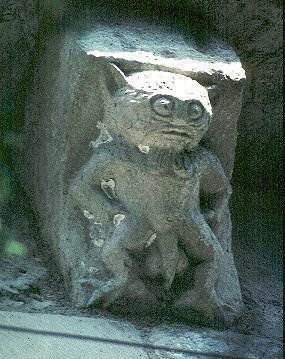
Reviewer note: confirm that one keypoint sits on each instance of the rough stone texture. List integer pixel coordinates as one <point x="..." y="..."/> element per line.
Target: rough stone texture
<point x="18" y="26"/>
<point x="256" y="226"/>
<point x="262" y="294"/>
<point x="260" y="264"/>
<point x="15" y="345"/>
<point x="72" y="79"/>
<point x="18" y="277"/>
<point x="56" y="336"/>
<point x="223" y="343"/>
<point x="24" y="26"/>
<point x="20" y="21"/>
<point x="255" y="30"/>
<point x="142" y="198"/>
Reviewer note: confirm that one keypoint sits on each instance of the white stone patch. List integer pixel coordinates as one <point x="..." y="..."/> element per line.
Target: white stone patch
<point x="144" y="148"/>
<point x="108" y="186"/>
<point x="96" y="234"/>
<point x="88" y="215"/>
<point x="150" y="240"/>
<point x="92" y="270"/>
<point x="188" y="63"/>
<point x="104" y="136"/>
<point x="98" y="242"/>
<point x="118" y="218"/>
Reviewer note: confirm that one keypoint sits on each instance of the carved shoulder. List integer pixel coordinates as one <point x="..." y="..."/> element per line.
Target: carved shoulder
<point x="210" y="169"/>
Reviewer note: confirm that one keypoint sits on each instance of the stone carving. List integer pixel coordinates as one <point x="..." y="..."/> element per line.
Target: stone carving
<point x="107" y="157"/>
<point x="154" y="200"/>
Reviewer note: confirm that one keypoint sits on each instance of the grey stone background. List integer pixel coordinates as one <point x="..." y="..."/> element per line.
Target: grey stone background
<point x="254" y="29"/>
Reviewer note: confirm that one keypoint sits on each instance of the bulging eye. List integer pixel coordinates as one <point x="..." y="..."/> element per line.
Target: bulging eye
<point x="195" y="110"/>
<point x="162" y="105"/>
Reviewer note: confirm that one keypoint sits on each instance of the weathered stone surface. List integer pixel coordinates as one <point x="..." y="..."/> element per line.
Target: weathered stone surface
<point x="30" y="345"/>
<point x="145" y="203"/>
<point x="222" y="343"/>
<point x="25" y="335"/>
<point x="23" y="26"/>
<point x="18" y="27"/>
<point x="78" y="89"/>
<point x="19" y="276"/>
<point x="136" y="47"/>
<point x="255" y="29"/>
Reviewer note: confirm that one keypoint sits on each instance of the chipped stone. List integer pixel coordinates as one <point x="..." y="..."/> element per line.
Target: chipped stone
<point x="96" y="234"/>
<point x="98" y="242"/>
<point x="150" y="240"/>
<point x="92" y="270"/>
<point x="88" y="215"/>
<point x="144" y="148"/>
<point x="108" y="186"/>
<point x="104" y="137"/>
<point x="118" y="218"/>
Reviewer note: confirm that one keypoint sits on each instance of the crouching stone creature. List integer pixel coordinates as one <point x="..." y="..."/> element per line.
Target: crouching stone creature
<point x="151" y="191"/>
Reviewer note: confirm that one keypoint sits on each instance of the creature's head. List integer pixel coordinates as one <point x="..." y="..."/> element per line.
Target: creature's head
<point x="158" y="109"/>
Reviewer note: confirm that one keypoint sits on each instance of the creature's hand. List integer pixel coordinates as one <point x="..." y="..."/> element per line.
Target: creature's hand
<point x="219" y="203"/>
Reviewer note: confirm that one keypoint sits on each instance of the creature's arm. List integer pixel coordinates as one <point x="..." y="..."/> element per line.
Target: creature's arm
<point x="215" y="188"/>
<point x="94" y="195"/>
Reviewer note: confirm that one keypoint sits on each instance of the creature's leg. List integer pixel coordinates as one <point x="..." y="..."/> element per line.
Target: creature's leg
<point x="168" y="247"/>
<point x="138" y="297"/>
<point x="117" y="262"/>
<point x="200" y="243"/>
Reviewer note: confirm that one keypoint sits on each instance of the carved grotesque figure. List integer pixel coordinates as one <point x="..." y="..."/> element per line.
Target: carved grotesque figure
<point x="154" y="197"/>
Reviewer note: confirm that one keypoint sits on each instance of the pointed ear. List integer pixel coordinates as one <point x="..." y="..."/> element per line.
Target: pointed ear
<point x="115" y="78"/>
<point x="214" y="92"/>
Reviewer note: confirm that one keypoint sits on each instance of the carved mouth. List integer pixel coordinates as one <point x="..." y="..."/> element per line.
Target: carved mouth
<point x="176" y="133"/>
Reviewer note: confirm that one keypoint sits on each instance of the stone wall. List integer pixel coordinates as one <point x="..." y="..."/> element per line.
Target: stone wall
<point x="253" y="28"/>
<point x="18" y="27"/>
<point x="20" y="38"/>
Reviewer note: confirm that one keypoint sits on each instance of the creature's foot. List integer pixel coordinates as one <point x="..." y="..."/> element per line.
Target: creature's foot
<point x="139" y="297"/>
<point x="106" y="294"/>
<point x="201" y="301"/>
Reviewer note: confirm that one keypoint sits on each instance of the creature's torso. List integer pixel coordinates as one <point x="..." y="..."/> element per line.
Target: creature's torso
<point x="159" y="196"/>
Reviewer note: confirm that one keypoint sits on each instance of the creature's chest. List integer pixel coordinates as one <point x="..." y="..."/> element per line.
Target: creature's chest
<point x="151" y="191"/>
